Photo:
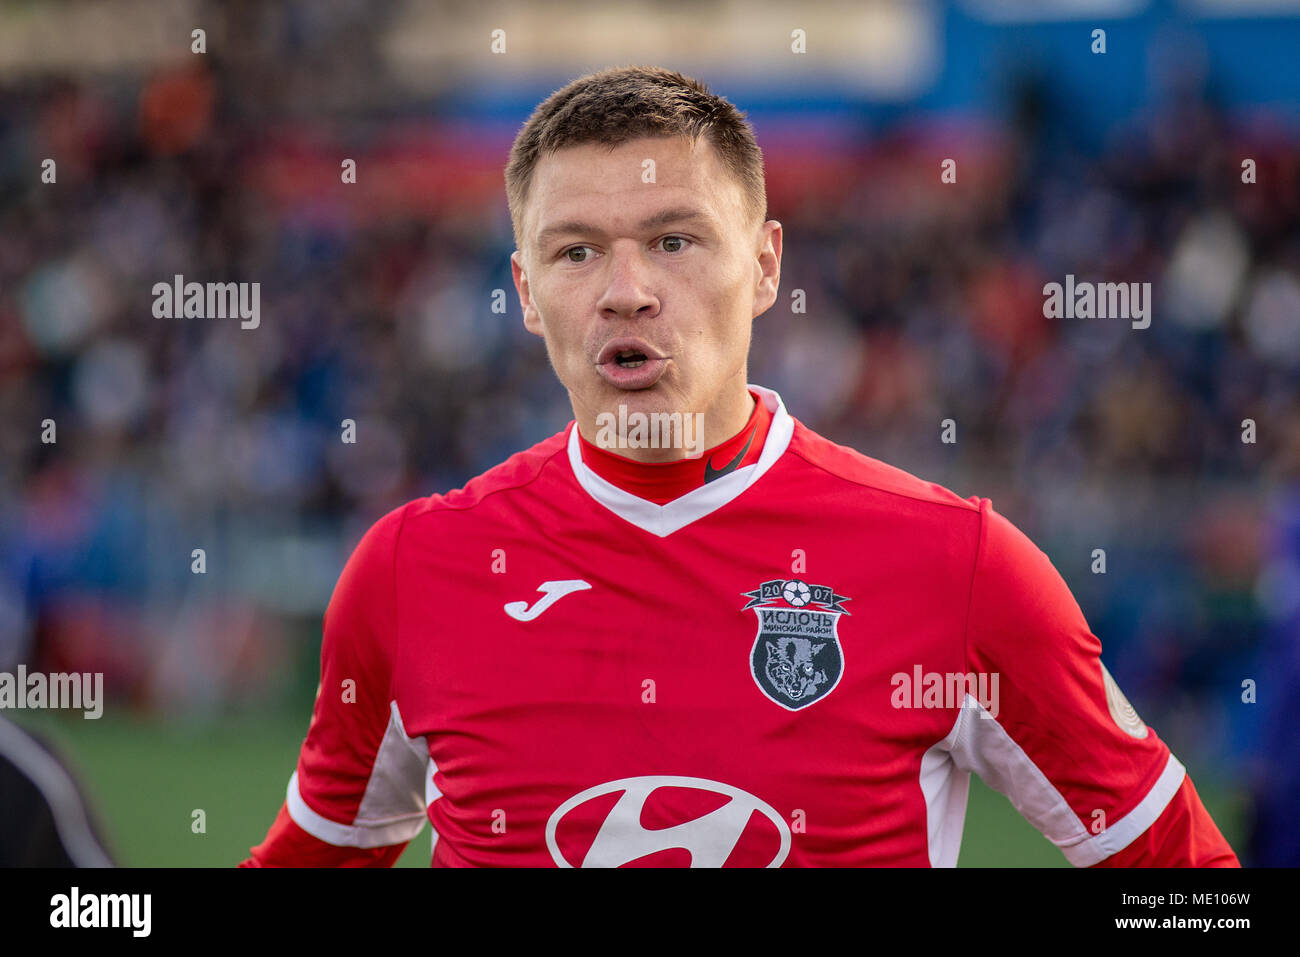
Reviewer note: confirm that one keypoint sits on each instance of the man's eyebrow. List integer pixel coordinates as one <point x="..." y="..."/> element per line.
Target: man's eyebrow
<point x="678" y="214"/>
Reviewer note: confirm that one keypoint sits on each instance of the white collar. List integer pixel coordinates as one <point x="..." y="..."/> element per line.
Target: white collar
<point x="663" y="520"/>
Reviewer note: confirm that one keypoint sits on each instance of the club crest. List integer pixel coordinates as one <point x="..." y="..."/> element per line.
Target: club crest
<point x="796" y="658"/>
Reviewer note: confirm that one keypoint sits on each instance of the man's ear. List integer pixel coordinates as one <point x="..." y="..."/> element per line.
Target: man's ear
<point x="767" y="266"/>
<point x="532" y="320"/>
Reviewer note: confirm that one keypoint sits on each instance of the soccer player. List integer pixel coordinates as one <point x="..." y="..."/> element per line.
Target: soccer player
<point x="779" y="652"/>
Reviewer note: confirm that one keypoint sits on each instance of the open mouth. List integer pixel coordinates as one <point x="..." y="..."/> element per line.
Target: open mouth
<point x="630" y="363"/>
<point x="630" y="359"/>
<point x="628" y="352"/>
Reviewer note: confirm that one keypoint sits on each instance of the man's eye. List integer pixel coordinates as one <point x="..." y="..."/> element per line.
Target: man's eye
<point x="670" y="244"/>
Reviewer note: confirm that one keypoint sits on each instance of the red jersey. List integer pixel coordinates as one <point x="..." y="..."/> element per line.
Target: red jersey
<point x="799" y="663"/>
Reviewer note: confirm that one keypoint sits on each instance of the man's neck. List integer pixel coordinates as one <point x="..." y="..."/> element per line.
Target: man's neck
<point x="612" y="428"/>
<point x="661" y="482"/>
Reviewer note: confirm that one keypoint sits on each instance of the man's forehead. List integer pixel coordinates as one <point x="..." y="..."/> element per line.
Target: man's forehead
<point x="682" y="155"/>
<point x="574" y="178"/>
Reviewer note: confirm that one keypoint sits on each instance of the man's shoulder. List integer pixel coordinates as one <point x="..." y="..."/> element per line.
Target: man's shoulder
<point x="520" y="472"/>
<point x="848" y="465"/>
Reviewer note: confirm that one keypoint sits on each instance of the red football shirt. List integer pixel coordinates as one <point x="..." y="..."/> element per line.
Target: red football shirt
<point x="799" y="663"/>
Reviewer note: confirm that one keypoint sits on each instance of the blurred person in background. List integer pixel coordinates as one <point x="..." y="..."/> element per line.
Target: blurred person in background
<point x="44" y="818"/>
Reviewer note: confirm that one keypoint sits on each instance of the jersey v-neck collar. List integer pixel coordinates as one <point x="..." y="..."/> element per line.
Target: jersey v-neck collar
<point x="663" y="520"/>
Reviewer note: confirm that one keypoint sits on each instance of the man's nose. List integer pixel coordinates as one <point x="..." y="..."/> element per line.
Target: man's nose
<point x="628" y="291"/>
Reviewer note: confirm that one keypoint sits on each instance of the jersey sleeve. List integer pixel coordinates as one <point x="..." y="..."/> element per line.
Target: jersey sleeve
<point x="1057" y="737"/>
<point x="357" y="796"/>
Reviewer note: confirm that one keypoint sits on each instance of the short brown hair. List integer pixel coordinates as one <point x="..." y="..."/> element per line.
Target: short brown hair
<point x="623" y="103"/>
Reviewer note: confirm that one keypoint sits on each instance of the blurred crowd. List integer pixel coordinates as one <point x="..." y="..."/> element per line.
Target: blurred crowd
<point x="924" y="302"/>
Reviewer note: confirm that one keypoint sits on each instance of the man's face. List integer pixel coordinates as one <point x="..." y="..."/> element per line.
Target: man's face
<point x="645" y="292"/>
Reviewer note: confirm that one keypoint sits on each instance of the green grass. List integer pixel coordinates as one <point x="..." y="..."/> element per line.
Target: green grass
<point x="145" y="778"/>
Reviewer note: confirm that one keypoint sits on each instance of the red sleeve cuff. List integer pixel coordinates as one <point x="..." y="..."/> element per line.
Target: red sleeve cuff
<point x="1183" y="836"/>
<point x="288" y="845"/>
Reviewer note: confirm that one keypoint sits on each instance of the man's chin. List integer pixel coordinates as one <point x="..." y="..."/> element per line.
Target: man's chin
<point x="651" y="399"/>
<point x="653" y="415"/>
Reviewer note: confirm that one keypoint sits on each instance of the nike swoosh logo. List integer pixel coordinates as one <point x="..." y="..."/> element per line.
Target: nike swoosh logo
<point x="710" y="473"/>
<point x="553" y="592"/>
